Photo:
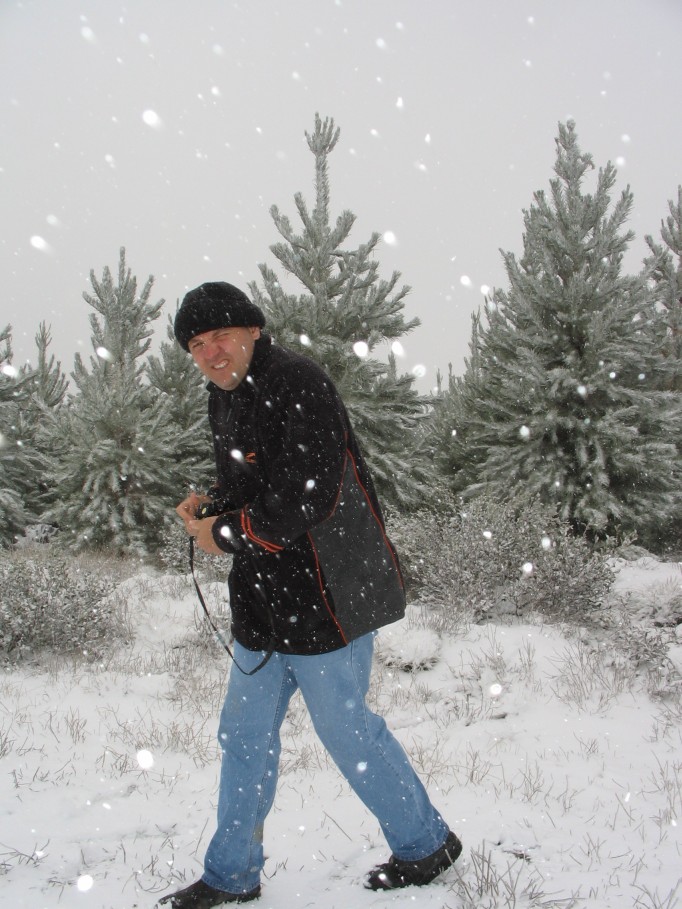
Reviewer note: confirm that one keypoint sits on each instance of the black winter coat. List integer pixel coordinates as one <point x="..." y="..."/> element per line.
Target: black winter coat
<point x="313" y="568"/>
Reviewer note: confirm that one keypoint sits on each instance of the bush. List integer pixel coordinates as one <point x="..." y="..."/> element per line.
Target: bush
<point x="488" y="558"/>
<point x="173" y="557"/>
<point x="51" y="602"/>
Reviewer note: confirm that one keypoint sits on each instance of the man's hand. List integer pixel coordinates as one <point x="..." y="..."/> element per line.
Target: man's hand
<point x="201" y="530"/>
<point x="202" y="533"/>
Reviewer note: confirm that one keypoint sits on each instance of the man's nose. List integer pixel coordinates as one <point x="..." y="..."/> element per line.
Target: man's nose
<point x="211" y="349"/>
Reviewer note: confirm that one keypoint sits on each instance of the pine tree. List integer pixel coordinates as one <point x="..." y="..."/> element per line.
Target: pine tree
<point x="48" y="383"/>
<point x="346" y="311"/>
<point x="665" y="269"/>
<point x="453" y="452"/>
<point x="20" y="463"/>
<point x="46" y="388"/>
<point x="114" y="441"/>
<point x="565" y="404"/>
<point x="176" y="380"/>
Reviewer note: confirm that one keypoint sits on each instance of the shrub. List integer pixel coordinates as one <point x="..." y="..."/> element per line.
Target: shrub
<point x="487" y="558"/>
<point x="52" y="602"/>
<point x="173" y="557"/>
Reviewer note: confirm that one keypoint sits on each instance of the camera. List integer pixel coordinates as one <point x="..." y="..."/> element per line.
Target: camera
<point x="212" y="509"/>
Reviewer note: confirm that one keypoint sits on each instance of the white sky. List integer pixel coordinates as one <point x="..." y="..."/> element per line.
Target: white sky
<point x="448" y="113"/>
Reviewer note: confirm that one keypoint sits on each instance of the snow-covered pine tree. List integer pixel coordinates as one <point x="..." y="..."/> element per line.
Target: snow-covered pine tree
<point x="46" y="387"/>
<point x="665" y="268"/>
<point x="456" y="456"/>
<point x="346" y="311"/>
<point x="48" y="383"/>
<point x="175" y="378"/>
<point x="114" y="442"/>
<point x="20" y="463"/>
<point x="565" y="402"/>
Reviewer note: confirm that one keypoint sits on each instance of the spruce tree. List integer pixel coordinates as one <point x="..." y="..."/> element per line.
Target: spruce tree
<point x="114" y="441"/>
<point x="345" y="312"/>
<point x="565" y="404"/>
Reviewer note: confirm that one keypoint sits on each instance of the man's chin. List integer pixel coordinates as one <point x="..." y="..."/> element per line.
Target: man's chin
<point x="226" y="383"/>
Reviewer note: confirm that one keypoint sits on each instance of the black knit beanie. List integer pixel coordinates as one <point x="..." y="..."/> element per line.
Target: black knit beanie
<point x="216" y="304"/>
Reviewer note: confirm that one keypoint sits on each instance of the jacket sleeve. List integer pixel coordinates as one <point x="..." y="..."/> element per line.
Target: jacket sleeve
<point x="302" y="430"/>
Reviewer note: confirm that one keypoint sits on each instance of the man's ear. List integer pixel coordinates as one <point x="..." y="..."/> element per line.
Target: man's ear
<point x="255" y="331"/>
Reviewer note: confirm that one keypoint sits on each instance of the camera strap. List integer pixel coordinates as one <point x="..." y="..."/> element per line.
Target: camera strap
<point x="216" y="631"/>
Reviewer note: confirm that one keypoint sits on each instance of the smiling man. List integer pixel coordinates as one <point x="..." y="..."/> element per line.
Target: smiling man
<point x="313" y="577"/>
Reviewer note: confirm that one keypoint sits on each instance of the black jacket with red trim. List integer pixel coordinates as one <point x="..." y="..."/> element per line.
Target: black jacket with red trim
<point x="313" y="568"/>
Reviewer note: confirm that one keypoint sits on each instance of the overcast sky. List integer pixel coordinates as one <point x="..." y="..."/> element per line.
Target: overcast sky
<point x="170" y="127"/>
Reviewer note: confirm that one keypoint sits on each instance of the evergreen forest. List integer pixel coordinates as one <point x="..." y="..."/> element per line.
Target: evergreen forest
<point x="570" y="398"/>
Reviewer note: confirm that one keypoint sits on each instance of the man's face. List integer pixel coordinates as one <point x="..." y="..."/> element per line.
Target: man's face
<point x="224" y="354"/>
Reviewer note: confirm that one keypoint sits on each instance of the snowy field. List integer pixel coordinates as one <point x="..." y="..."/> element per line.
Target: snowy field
<point x="558" y="764"/>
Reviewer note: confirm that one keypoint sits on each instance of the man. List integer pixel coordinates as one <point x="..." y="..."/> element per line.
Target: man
<point x="313" y="576"/>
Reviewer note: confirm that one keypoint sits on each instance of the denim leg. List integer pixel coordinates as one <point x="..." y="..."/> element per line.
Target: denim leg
<point x="334" y="687"/>
<point x="249" y="737"/>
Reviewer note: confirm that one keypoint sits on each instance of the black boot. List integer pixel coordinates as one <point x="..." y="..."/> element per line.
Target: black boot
<point x="202" y="896"/>
<point x="398" y="873"/>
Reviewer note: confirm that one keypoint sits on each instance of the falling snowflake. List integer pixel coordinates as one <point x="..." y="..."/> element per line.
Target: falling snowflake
<point x="145" y="759"/>
<point x="151" y="118"/>
<point x="40" y="244"/>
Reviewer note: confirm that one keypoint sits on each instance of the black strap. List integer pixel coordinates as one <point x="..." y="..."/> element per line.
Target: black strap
<point x="217" y="631"/>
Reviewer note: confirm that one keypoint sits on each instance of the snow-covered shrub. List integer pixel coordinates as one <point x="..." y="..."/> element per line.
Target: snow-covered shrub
<point x="409" y="645"/>
<point x="488" y="558"/>
<point x="52" y="602"/>
<point x="659" y="605"/>
<point x="641" y="625"/>
<point x="174" y="557"/>
<point x="36" y="534"/>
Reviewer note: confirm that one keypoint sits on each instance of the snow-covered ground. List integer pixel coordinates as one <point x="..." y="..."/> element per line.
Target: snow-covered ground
<point x="558" y="766"/>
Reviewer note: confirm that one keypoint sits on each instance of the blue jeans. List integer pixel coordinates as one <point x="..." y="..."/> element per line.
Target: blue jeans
<point x="334" y="686"/>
